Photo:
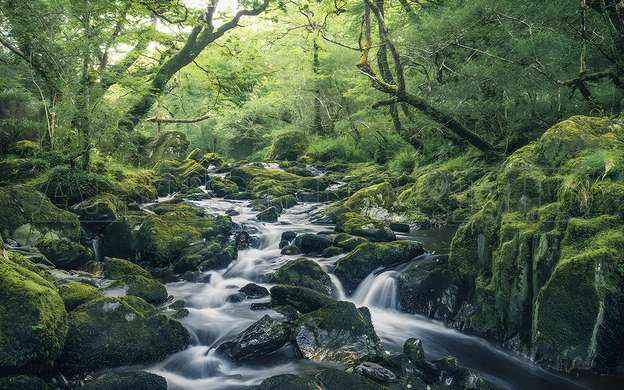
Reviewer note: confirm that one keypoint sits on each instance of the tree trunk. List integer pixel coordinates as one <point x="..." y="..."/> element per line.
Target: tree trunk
<point x="317" y="122"/>
<point x="200" y="36"/>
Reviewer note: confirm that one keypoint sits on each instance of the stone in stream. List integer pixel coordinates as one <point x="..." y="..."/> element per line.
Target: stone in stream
<point x="334" y="379"/>
<point x="262" y="338"/>
<point x="132" y="380"/>
<point x="366" y="258"/>
<point x="286" y="382"/>
<point x="312" y="243"/>
<point x="338" y="332"/>
<point x="303" y="299"/>
<point x="303" y="272"/>
<point x="256" y="306"/>
<point x="113" y="332"/>
<point x="289" y="235"/>
<point x="254" y="291"/>
<point x="235" y="298"/>
<point x="22" y="382"/>
<point x="269" y="215"/>
<point x="376" y="372"/>
<point x="348" y="242"/>
<point x="400" y="227"/>
<point x="373" y="233"/>
<point x="332" y="251"/>
<point x="290" y="250"/>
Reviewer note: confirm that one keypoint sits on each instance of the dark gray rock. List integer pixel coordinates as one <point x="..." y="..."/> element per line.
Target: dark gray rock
<point x="260" y="306"/>
<point x="286" y="382"/>
<point x="376" y="372"/>
<point x="253" y="291"/>
<point x="290" y="250"/>
<point x="313" y="243"/>
<point x="262" y="338"/>
<point x="332" y="251"/>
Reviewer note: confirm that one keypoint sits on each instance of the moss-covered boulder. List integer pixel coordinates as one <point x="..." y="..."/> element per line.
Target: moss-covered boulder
<point x="119" y="268"/>
<point x="33" y="320"/>
<point x="22" y="205"/>
<point x="66" y="186"/>
<point x="222" y="186"/>
<point x="112" y="332"/>
<point x="211" y="160"/>
<point x="151" y="290"/>
<point x="361" y="225"/>
<point x="64" y="253"/>
<point x="539" y="264"/>
<point x="162" y="237"/>
<point x="304" y="273"/>
<point x="119" y="238"/>
<point x="289" y="145"/>
<point x="348" y="242"/>
<point x="129" y="380"/>
<point x="14" y="170"/>
<point x="187" y="173"/>
<point x="75" y="294"/>
<point x="206" y="256"/>
<point x="262" y="338"/>
<point x="338" y="332"/>
<point x="302" y="299"/>
<point x="263" y="182"/>
<point x="366" y="258"/>
<point x="313" y="243"/>
<point x="26" y="148"/>
<point x="103" y="208"/>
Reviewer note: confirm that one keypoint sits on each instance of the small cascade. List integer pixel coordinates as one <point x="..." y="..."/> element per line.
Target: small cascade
<point x="95" y="243"/>
<point x="378" y="291"/>
<point x="338" y="288"/>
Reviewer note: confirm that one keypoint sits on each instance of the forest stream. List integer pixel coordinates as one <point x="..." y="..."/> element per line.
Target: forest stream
<point x="213" y="318"/>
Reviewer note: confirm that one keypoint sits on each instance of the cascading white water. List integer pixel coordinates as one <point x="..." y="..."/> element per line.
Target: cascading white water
<point x="377" y="291"/>
<point x="213" y="318"/>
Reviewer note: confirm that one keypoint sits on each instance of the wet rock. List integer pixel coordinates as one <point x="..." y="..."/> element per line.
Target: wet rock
<point x="427" y="287"/>
<point x="243" y="240"/>
<point x="301" y="298"/>
<point x="196" y="277"/>
<point x="256" y="306"/>
<point x="103" y="208"/>
<point x="303" y="273"/>
<point x="413" y="349"/>
<point x="133" y="380"/>
<point x="181" y="313"/>
<point x="333" y="379"/>
<point x="348" y="242"/>
<point x="317" y="196"/>
<point x="64" y="253"/>
<point x="269" y="215"/>
<point x="289" y="236"/>
<point x="338" y="332"/>
<point x="254" y="291"/>
<point x="112" y="332"/>
<point x="400" y="227"/>
<point x="357" y="265"/>
<point x="376" y="372"/>
<point x="331" y="251"/>
<point x="232" y="213"/>
<point x="283" y="244"/>
<point x="286" y="382"/>
<point x="290" y="250"/>
<point x="376" y="234"/>
<point x="235" y="298"/>
<point x="262" y="338"/>
<point x="312" y="243"/>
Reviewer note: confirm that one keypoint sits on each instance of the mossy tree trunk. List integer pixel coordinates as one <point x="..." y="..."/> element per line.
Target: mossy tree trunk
<point x="203" y="34"/>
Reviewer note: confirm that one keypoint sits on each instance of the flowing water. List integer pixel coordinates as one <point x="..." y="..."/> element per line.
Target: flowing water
<point x="213" y="319"/>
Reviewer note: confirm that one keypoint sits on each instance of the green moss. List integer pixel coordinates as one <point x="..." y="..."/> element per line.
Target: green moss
<point x="33" y="320"/>
<point x="304" y="273"/>
<point x="26" y="148"/>
<point x="138" y="186"/>
<point x="75" y="294"/>
<point x="376" y="196"/>
<point x="355" y="266"/>
<point x="64" y="253"/>
<point x="162" y="238"/>
<point x="118" y="268"/>
<point x="147" y="288"/>
<point x="286" y="382"/>
<point x="209" y="159"/>
<point x="334" y="379"/>
<point x="348" y="242"/>
<point x="111" y="332"/>
<point x="288" y="146"/>
<point x="65" y="186"/>
<point x="101" y="208"/>
<point x="21" y="205"/>
<point x="221" y="186"/>
<point x="14" y="170"/>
